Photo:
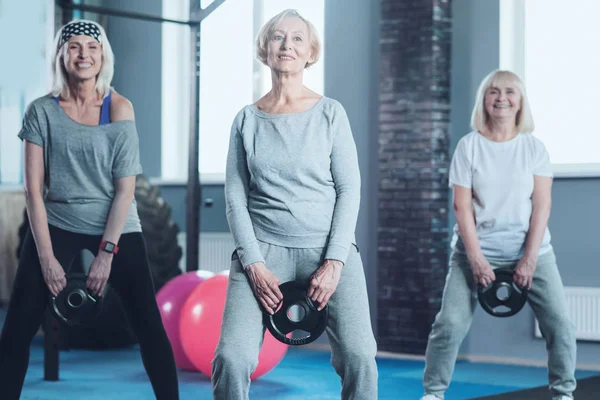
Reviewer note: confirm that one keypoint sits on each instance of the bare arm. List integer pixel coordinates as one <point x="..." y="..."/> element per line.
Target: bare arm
<point x="102" y="264"/>
<point x="542" y="203"/>
<point x="465" y="218"/>
<point x="124" y="192"/>
<point x="54" y="274"/>
<point x="121" y="109"/>
<point x="34" y="189"/>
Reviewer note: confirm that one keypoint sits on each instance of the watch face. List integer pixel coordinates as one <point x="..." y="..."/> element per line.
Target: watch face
<point x="109" y="247"/>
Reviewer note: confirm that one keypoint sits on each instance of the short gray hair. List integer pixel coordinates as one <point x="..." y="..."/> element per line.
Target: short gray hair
<point x="60" y="85"/>
<point x="266" y="31"/>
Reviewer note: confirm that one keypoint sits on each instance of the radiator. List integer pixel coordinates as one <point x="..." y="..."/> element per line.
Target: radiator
<point x="584" y="308"/>
<point x="215" y="251"/>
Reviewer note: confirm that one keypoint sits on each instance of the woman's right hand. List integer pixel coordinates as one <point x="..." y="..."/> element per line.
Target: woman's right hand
<point x="483" y="274"/>
<point x="54" y="275"/>
<point x="265" y="286"/>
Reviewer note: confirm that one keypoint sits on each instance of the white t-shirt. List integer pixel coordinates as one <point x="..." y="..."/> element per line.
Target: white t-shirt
<point x="500" y="175"/>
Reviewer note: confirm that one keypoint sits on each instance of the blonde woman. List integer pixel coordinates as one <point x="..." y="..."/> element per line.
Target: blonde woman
<point x="81" y="160"/>
<point x="502" y="178"/>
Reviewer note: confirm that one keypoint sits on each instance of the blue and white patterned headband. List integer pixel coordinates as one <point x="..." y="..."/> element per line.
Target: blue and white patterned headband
<point x="79" y="28"/>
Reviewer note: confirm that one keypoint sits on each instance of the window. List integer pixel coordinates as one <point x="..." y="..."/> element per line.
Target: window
<point x="175" y="90"/>
<point x="553" y="49"/>
<point x="23" y="81"/>
<point x="230" y="77"/>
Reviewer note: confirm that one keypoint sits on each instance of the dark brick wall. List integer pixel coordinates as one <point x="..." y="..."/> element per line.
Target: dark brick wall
<point x="414" y="117"/>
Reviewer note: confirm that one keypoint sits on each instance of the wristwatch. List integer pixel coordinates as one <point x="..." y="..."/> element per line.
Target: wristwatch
<point x="109" y="247"/>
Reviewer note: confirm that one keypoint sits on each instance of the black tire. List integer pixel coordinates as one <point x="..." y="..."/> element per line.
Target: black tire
<point x="160" y="233"/>
<point x="111" y="329"/>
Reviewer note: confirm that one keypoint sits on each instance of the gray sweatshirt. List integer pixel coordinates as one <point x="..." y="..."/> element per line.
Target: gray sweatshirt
<point x="292" y="180"/>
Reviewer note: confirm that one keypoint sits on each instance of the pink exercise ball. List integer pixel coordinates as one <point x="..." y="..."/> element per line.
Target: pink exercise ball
<point x="170" y="299"/>
<point x="200" y="327"/>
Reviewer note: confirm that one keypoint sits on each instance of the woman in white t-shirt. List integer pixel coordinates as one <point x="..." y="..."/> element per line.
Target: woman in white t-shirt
<point x="502" y="179"/>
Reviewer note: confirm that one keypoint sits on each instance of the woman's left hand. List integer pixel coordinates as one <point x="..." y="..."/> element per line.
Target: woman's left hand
<point x="99" y="272"/>
<point x="523" y="275"/>
<point x="324" y="282"/>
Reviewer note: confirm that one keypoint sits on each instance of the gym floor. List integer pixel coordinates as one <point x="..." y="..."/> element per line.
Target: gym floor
<point x="303" y="374"/>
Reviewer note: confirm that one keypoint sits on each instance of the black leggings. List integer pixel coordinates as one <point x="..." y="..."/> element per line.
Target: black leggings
<point x="129" y="276"/>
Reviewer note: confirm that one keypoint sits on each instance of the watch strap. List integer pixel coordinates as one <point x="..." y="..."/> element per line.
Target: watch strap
<point x="109" y="247"/>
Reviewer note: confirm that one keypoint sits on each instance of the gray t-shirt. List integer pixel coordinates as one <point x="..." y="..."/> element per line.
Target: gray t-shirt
<point x="81" y="163"/>
<point x="292" y="180"/>
<point x="500" y="174"/>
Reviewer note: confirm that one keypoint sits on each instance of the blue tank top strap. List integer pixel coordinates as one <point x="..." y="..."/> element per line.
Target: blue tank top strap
<point x="56" y="99"/>
<point x="105" y="110"/>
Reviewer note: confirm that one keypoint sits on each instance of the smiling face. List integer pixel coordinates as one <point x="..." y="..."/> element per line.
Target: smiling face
<point x="289" y="46"/>
<point x="502" y="101"/>
<point x="82" y="57"/>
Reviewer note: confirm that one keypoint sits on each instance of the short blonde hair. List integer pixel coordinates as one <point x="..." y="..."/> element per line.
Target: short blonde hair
<point x="60" y="85"/>
<point x="262" y="40"/>
<point x="480" y="117"/>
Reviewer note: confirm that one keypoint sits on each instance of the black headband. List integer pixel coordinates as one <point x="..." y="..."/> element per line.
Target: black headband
<point x="79" y="28"/>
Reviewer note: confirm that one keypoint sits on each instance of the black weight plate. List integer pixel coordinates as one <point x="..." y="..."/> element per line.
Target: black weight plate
<point x="280" y="325"/>
<point x="514" y="301"/>
<point x="75" y="304"/>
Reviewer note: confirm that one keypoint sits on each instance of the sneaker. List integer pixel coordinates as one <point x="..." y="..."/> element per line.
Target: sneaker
<point x="432" y="397"/>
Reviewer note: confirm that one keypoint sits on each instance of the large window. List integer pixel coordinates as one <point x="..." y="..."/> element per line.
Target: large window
<point x="24" y="75"/>
<point x="554" y="49"/>
<point x="230" y="77"/>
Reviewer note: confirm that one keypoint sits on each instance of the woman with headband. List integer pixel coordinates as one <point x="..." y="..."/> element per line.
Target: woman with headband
<point x="81" y="162"/>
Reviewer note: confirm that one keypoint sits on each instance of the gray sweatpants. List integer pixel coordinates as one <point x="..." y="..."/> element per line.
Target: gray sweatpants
<point x="353" y="346"/>
<point x="546" y="298"/>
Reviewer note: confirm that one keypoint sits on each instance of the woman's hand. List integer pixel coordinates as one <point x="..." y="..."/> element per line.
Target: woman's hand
<point x="99" y="272"/>
<point x="324" y="282"/>
<point x="483" y="274"/>
<point x="54" y="275"/>
<point x="523" y="275"/>
<point x="265" y="286"/>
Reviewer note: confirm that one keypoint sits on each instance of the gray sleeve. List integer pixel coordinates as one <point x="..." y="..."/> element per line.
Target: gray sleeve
<point x="346" y="178"/>
<point x="31" y="130"/>
<point x="126" y="160"/>
<point x="237" y="178"/>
